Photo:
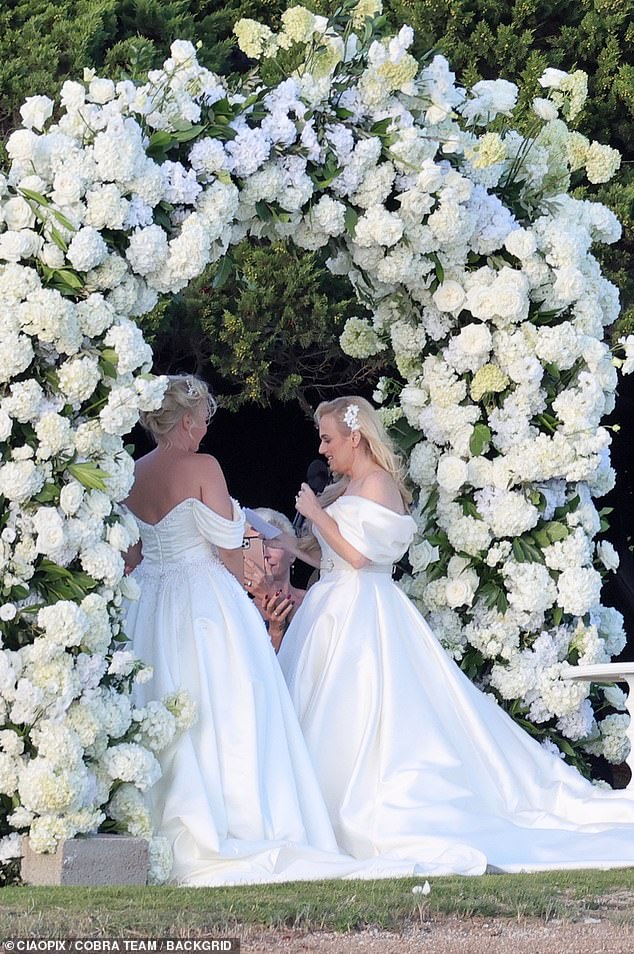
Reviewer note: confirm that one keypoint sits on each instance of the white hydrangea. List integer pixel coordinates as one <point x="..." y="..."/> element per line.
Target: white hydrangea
<point x="87" y="249"/>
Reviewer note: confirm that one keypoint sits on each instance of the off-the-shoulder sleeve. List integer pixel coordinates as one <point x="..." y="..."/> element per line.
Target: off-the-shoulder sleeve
<point x="224" y="533"/>
<point x="381" y="535"/>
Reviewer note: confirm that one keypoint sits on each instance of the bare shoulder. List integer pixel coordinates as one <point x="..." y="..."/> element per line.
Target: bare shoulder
<point x="380" y="487"/>
<point x="206" y="465"/>
<point x="212" y="483"/>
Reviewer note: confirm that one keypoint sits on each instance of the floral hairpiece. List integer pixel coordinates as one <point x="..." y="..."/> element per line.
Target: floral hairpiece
<point x="351" y="417"/>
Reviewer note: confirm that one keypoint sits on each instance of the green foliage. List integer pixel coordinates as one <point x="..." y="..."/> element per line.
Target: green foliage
<point x="270" y="327"/>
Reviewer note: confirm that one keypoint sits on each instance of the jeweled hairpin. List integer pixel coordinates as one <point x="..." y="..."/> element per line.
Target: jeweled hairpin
<point x="191" y="390"/>
<point x="351" y="417"/>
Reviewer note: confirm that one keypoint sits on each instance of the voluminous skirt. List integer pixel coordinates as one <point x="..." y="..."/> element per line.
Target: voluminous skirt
<point x="238" y="799"/>
<point x="415" y="762"/>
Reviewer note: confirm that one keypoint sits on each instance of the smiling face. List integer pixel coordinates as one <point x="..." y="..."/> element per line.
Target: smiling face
<point x="336" y="444"/>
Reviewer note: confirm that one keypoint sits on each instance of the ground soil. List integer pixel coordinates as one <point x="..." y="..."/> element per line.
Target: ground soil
<point x="457" y="936"/>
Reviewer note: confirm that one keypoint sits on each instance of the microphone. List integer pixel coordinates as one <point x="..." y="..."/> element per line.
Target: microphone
<point x="317" y="476"/>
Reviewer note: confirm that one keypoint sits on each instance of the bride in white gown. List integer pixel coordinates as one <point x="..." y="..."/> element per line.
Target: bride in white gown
<point x="238" y="799"/>
<point x="413" y="760"/>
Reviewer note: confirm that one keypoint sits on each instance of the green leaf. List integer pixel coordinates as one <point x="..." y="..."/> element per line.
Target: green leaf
<point x="567" y="508"/>
<point x="469" y="508"/>
<point x="558" y="615"/>
<point x="525" y="551"/>
<point x="58" y="239"/>
<point x="351" y="218"/>
<point x="556" y="531"/>
<point x="68" y="277"/>
<point x="185" y="135"/>
<point x="108" y="362"/>
<point x="63" y="220"/>
<point x="89" y="475"/>
<point x="48" y="493"/>
<point x="440" y="272"/>
<point x="381" y="128"/>
<point x="404" y="435"/>
<point x="160" y="143"/>
<point x="222" y="132"/>
<point x="263" y="211"/>
<point x="224" y="272"/>
<point x="494" y="596"/>
<point x="35" y="196"/>
<point x="479" y="439"/>
<point x="321" y="181"/>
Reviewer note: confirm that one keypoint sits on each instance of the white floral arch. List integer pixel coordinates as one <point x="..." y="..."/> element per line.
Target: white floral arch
<point x="475" y="265"/>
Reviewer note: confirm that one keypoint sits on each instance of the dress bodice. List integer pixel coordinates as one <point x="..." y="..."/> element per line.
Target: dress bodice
<point x="189" y="532"/>
<point x="380" y="534"/>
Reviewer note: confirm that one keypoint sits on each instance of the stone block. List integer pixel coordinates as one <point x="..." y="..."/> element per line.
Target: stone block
<point x="90" y="860"/>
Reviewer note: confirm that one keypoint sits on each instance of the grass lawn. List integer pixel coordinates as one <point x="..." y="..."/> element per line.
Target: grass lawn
<point x="323" y="905"/>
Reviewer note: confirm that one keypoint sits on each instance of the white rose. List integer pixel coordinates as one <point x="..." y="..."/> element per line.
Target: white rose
<point x="451" y="473"/>
<point x="51" y="255"/>
<point x="72" y="95"/>
<point x="130" y="589"/>
<point x="422" y="554"/>
<point x="36" y="110"/>
<point x="101" y="90"/>
<point x="521" y="243"/>
<point x="458" y="592"/>
<point x="18" y="214"/>
<point x="66" y="188"/>
<point x="8" y="611"/>
<point x="449" y="296"/>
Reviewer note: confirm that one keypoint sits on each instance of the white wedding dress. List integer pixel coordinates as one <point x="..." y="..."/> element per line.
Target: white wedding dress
<point x="413" y="760"/>
<point x="238" y="799"/>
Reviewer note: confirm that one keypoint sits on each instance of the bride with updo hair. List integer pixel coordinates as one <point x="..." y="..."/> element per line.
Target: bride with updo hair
<point x="238" y="800"/>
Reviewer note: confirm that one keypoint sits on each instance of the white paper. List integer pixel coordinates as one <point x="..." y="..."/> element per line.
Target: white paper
<point x="266" y="529"/>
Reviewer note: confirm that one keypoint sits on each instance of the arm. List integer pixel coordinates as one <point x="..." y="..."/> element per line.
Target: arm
<point x="214" y="494"/>
<point x="308" y="505"/>
<point x="310" y="555"/>
<point x="132" y="557"/>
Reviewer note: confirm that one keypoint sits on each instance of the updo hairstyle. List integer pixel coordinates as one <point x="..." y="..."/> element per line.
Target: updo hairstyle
<point x="184" y="393"/>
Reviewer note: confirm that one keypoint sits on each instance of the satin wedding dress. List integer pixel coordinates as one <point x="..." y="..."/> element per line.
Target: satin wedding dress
<point x="413" y="760"/>
<point x="238" y="799"/>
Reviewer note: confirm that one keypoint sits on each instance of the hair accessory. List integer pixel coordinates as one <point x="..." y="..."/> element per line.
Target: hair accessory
<point x="191" y="390"/>
<point x="351" y="417"/>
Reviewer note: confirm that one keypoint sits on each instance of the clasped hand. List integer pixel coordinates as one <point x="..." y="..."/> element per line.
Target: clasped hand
<point x="307" y="503"/>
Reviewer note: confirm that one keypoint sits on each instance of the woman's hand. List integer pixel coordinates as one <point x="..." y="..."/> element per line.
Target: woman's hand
<point x="277" y="609"/>
<point x="307" y="503"/>
<point x="256" y="581"/>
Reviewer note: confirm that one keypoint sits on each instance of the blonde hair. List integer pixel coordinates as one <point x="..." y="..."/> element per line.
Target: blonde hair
<point x="184" y="393"/>
<point x="379" y="444"/>
<point x="276" y="519"/>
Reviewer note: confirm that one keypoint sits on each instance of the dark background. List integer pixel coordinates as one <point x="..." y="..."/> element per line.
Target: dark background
<point x="265" y="451"/>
